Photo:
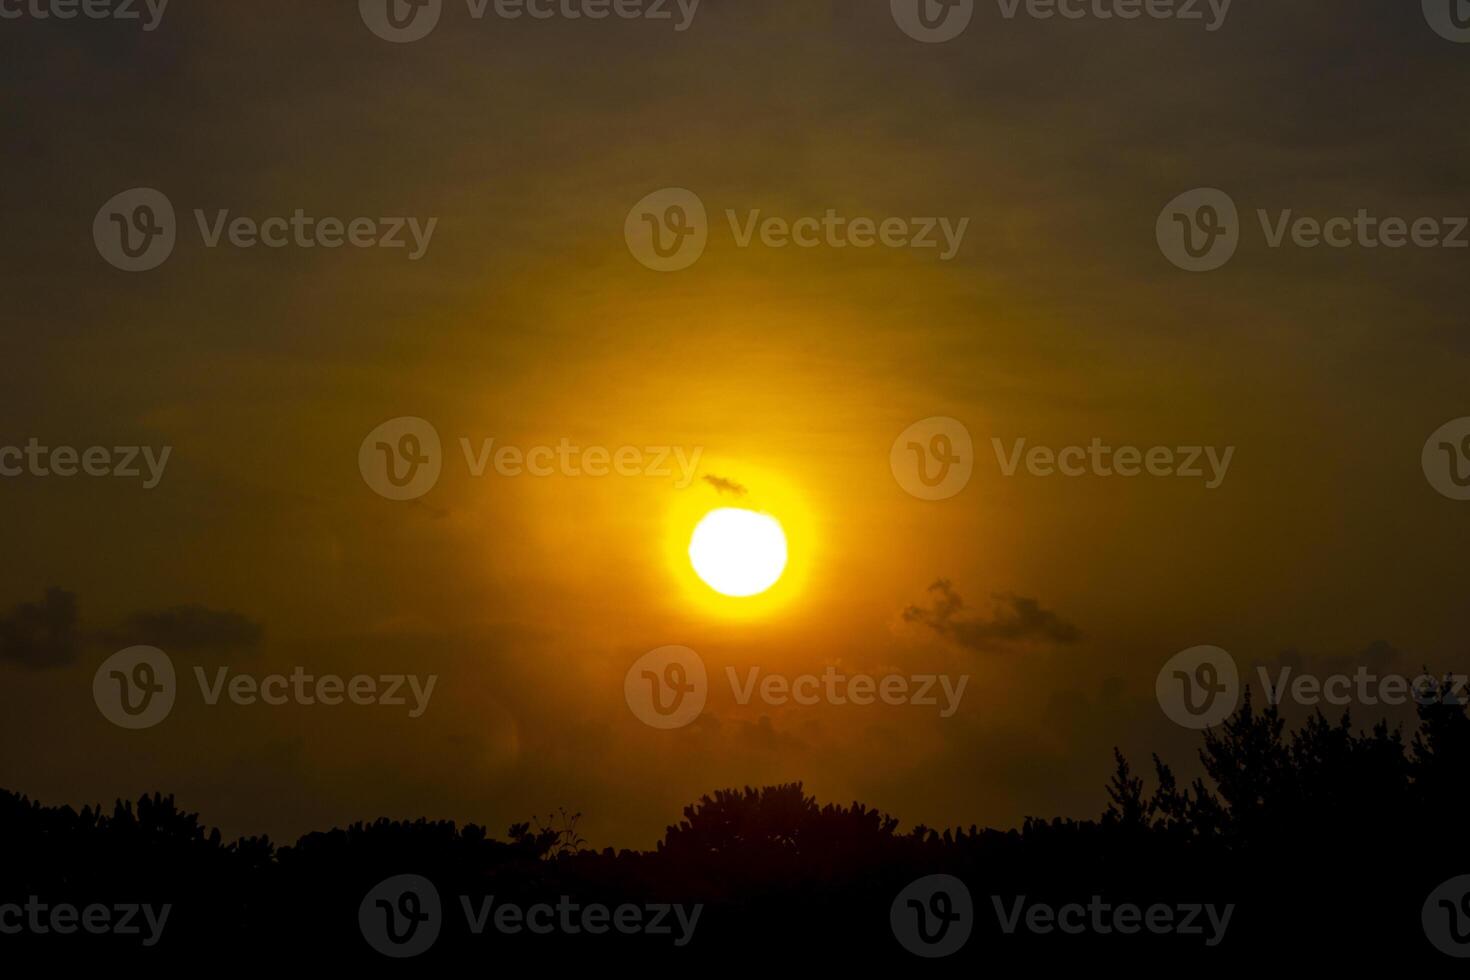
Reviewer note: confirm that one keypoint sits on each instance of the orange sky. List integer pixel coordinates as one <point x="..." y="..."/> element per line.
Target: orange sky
<point x="790" y="370"/>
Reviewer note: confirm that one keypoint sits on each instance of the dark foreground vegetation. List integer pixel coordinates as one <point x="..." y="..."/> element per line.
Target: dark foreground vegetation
<point x="1327" y="841"/>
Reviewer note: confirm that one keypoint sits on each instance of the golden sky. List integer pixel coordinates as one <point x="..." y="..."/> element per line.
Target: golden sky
<point x="791" y="371"/>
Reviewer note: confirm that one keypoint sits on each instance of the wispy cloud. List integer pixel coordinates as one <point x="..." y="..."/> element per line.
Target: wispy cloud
<point x="42" y="634"/>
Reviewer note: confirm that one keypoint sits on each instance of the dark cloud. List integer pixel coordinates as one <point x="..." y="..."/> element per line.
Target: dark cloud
<point x="726" y="486"/>
<point x="48" y="633"/>
<point x="1015" y="620"/>
<point x="194" y="629"/>
<point x="42" y="634"/>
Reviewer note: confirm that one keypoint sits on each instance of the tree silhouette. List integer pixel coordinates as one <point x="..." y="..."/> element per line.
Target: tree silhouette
<point x="1325" y="831"/>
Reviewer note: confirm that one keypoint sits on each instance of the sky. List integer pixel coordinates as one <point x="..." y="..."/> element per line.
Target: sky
<point x="781" y="376"/>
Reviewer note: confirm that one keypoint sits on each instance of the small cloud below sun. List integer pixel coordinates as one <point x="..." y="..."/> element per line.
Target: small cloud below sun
<point x="1015" y="621"/>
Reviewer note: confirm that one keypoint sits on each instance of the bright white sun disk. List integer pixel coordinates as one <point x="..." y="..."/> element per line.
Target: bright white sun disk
<point x="738" y="552"/>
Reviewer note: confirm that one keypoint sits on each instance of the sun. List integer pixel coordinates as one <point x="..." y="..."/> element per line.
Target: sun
<point x="738" y="552"/>
<point x="749" y="552"/>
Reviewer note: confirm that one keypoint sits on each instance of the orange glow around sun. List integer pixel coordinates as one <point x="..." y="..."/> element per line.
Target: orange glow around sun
<point x="740" y="555"/>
